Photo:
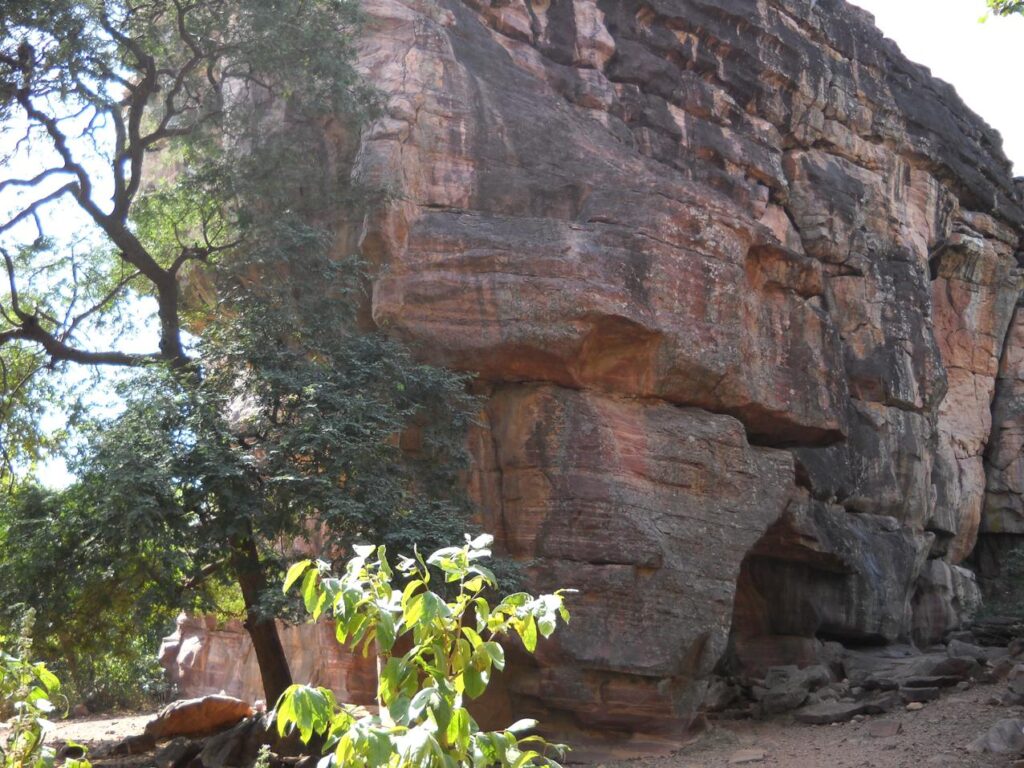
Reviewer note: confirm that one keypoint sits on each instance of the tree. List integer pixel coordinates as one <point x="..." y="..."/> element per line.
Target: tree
<point x="193" y="138"/>
<point x="1006" y="7"/>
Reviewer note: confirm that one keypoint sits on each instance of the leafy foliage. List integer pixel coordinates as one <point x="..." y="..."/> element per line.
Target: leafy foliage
<point x="94" y="620"/>
<point x="142" y="134"/>
<point x="453" y="651"/>
<point x="204" y="145"/>
<point x="1006" y="7"/>
<point x="28" y="690"/>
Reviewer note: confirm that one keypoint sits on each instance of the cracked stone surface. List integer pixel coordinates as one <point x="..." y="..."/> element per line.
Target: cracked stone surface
<point x="737" y="281"/>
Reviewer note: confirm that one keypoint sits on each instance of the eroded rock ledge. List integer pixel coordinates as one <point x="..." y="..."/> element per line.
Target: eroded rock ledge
<point x="740" y="282"/>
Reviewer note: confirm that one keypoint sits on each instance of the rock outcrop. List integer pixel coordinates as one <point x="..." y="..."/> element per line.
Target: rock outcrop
<point x="736" y="280"/>
<point x="204" y="657"/>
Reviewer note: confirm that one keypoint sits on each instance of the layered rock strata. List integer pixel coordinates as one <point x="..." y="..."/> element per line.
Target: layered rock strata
<point x="205" y="657"/>
<point x="736" y="279"/>
<point x="628" y="216"/>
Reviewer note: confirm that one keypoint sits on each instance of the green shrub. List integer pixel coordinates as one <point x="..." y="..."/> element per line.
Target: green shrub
<point x="422" y="721"/>
<point x="27" y="692"/>
<point x="89" y="609"/>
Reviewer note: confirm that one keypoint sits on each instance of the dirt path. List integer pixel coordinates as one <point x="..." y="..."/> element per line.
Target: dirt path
<point x="95" y="730"/>
<point x="934" y="737"/>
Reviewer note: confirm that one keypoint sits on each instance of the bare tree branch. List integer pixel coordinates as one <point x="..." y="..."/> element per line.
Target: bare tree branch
<point x="31" y="209"/>
<point x="30" y="330"/>
<point x="34" y="181"/>
<point x="98" y="306"/>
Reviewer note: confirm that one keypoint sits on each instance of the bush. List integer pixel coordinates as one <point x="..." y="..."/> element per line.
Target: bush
<point x="27" y="691"/>
<point x="422" y="721"/>
<point x="89" y="611"/>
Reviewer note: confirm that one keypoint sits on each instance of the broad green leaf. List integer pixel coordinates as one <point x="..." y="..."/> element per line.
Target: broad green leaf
<point x="385" y="631"/>
<point x="473" y="636"/>
<point x="414" y="610"/>
<point x="294" y="573"/>
<point x="378" y="749"/>
<point x="458" y="730"/>
<point x="47" y="678"/>
<point x="496" y="652"/>
<point x="345" y="751"/>
<point x="310" y="593"/>
<point x="528" y="632"/>
<point x="475" y="681"/>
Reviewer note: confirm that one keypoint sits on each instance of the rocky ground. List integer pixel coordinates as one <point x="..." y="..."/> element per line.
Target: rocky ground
<point x="935" y="736"/>
<point x="956" y="704"/>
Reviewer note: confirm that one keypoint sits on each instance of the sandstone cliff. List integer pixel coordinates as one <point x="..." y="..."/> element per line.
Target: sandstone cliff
<point x="739" y="283"/>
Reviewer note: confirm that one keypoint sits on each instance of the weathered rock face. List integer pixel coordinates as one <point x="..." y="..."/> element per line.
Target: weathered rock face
<point x="645" y="507"/>
<point x="1004" y="502"/>
<point x="204" y="657"/>
<point x="618" y="212"/>
<point x="736" y="279"/>
<point x="1002" y="518"/>
<point x="821" y="572"/>
<point x="945" y="597"/>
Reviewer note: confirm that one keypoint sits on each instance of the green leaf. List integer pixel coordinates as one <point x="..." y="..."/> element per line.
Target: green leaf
<point x="414" y="610"/>
<point x="310" y="591"/>
<point x="474" y="681"/>
<point x="385" y="631"/>
<point x="409" y="591"/>
<point x="379" y="749"/>
<point x="546" y="624"/>
<point x="420" y="702"/>
<point x="399" y="710"/>
<point x="496" y="652"/>
<point x="528" y="632"/>
<point x="345" y="752"/>
<point x="458" y="730"/>
<point x="294" y="573"/>
<point x="47" y="678"/>
<point x="305" y="708"/>
<point x="473" y="636"/>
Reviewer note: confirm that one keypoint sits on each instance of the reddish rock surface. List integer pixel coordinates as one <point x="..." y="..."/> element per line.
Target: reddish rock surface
<point x="645" y="507"/>
<point x="737" y="280"/>
<point x="191" y="717"/>
<point x="205" y="657"/>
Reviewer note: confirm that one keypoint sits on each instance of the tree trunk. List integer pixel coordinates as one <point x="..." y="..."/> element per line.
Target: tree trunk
<point x="270" y="655"/>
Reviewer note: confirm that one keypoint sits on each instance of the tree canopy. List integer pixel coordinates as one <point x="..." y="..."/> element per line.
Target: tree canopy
<point x="201" y="151"/>
<point x="1006" y="7"/>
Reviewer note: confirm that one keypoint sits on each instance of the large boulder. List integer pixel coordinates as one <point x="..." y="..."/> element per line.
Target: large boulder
<point x="1004" y="738"/>
<point x="192" y="717"/>
<point x="205" y="656"/>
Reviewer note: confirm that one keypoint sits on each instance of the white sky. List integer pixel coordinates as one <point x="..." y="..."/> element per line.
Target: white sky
<point x="984" y="62"/>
